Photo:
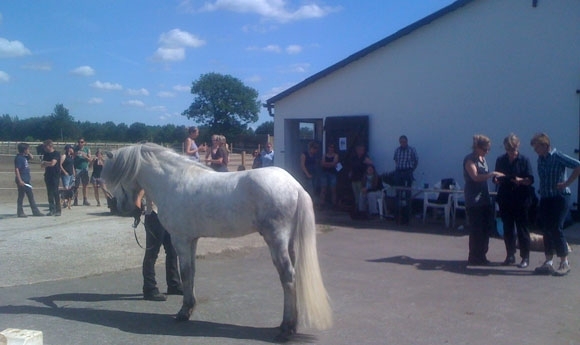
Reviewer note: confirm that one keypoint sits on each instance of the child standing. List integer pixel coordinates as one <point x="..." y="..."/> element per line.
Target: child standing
<point x="22" y="179"/>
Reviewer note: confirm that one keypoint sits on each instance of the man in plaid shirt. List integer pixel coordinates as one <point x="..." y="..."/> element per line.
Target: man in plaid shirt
<point x="406" y="161"/>
<point x="554" y="201"/>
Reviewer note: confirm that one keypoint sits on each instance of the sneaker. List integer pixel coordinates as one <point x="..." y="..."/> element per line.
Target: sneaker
<point x="50" y="214"/>
<point x="22" y="215"/>
<point x="562" y="270"/>
<point x="525" y="262"/>
<point x="546" y="269"/>
<point x="86" y="203"/>
<point x="157" y="297"/>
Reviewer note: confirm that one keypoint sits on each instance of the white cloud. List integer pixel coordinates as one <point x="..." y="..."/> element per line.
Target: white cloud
<point x="95" y="100"/>
<point x="177" y="38"/>
<point x="165" y="94"/>
<point x="182" y="88"/>
<point x="172" y="45"/>
<point x="4" y="77"/>
<point x="299" y="68"/>
<point x="161" y="108"/>
<point x="271" y="9"/>
<point x="134" y="103"/>
<point x="39" y="67"/>
<point x="138" y="92"/>
<point x="293" y="49"/>
<point x="169" y="54"/>
<point x="106" y="86"/>
<point x="271" y="48"/>
<point x="83" y="71"/>
<point x="10" y="49"/>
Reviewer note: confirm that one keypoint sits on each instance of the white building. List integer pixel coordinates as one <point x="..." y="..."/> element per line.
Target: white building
<point x="476" y="66"/>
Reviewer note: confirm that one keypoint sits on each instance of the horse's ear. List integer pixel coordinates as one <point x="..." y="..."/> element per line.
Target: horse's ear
<point x="109" y="154"/>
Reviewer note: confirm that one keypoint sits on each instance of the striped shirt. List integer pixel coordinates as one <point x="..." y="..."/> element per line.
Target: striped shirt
<point x="552" y="170"/>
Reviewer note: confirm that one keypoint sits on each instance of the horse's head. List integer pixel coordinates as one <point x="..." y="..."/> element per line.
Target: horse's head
<point x="123" y="186"/>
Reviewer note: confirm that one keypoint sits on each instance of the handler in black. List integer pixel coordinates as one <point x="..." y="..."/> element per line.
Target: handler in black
<point x="514" y="198"/>
<point x="156" y="235"/>
<point x="51" y="164"/>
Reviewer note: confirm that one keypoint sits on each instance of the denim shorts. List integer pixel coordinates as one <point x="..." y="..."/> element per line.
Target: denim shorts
<point x="328" y="179"/>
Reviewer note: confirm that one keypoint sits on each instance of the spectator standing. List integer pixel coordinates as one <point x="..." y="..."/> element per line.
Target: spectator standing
<point x="67" y="166"/>
<point x="82" y="160"/>
<point x="477" y="200"/>
<point x="190" y="146"/>
<point x="216" y="156"/>
<point x="358" y="166"/>
<point x="155" y="237"/>
<point x="22" y="179"/>
<point x="328" y="175"/>
<point x="514" y="198"/>
<point x="97" y="163"/>
<point x="309" y="163"/>
<point x="51" y="164"/>
<point x="406" y="161"/>
<point x="257" y="163"/>
<point x="267" y="156"/>
<point x="554" y="201"/>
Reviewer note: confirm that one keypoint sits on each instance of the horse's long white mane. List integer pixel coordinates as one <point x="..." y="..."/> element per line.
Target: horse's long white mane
<point x="129" y="160"/>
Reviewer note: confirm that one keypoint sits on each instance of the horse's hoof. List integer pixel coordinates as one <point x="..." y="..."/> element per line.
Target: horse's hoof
<point x="287" y="330"/>
<point x="184" y="315"/>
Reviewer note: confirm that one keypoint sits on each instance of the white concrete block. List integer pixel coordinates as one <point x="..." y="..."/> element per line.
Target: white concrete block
<point x="13" y="336"/>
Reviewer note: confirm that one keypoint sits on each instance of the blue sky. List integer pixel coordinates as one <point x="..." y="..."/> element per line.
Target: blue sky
<point x="134" y="61"/>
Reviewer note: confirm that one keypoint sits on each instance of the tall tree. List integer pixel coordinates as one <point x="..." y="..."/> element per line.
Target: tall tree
<point x="266" y="128"/>
<point x="223" y="103"/>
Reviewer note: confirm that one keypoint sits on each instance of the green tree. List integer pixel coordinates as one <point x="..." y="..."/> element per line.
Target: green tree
<point x="61" y="124"/>
<point x="223" y="103"/>
<point x="138" y="132"/>
<point x="266" y="128"/>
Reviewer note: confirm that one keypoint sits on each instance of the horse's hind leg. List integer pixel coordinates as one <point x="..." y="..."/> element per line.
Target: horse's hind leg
<point x="186" y="252"/>
<point x="283" y="258"/>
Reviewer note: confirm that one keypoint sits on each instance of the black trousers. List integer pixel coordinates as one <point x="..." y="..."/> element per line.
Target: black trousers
<point x="52" y="193"/>
<point x="156" y="235"/>
<point x="515" y="221"/>
<point x="480" y="218"/>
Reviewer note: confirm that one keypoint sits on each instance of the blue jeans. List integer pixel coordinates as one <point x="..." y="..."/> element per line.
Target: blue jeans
<point x="553" y="212"/>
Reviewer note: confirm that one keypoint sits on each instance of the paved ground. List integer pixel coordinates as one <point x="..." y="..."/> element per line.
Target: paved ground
<point x="77" y="279"/>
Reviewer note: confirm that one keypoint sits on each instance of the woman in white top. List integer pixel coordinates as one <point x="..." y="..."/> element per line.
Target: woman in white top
<point x="190" y="147"/>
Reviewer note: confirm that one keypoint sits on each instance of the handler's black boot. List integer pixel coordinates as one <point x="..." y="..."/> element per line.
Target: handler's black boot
<point x="154" y="296"/>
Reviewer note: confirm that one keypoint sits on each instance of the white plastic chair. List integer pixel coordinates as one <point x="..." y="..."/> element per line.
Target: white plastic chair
<point x="458" y="204"/>
<point x="434" y="201"/>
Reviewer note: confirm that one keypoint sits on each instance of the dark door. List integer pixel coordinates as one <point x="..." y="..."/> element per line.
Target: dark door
<point x="346" y="132"/>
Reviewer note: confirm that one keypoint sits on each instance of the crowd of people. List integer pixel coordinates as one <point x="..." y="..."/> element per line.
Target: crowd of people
<point x="513" y="176"/>
<point x="64" y="174"/>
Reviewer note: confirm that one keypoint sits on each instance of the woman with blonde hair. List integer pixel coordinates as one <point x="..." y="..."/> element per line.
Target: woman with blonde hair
<point x="216" y="156"/>
<point x="514" y="197"/>
<point x="477" y="201"/>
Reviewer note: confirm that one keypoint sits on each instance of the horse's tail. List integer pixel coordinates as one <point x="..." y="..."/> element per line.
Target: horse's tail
<point x="312" y="299"/>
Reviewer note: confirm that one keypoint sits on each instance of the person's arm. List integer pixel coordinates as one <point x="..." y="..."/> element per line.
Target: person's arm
<point x="472" y="172"/>
<point x="62" y="158"/>
<point x="18" y="177"/>
<point x="570" y="180"/>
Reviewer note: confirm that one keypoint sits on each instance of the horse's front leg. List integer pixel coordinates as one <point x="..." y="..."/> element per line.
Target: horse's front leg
<point x="186" y="252"/>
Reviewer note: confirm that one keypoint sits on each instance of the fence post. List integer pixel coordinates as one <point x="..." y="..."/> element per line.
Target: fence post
<point x="244" y="158"/>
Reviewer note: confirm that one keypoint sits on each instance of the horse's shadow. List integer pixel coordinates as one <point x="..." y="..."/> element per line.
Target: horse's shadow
<point x="452" y="266"/>
<point x="146" y="323"/>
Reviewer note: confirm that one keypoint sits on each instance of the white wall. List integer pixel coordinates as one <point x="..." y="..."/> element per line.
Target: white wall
<point x="491" y="67"/>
